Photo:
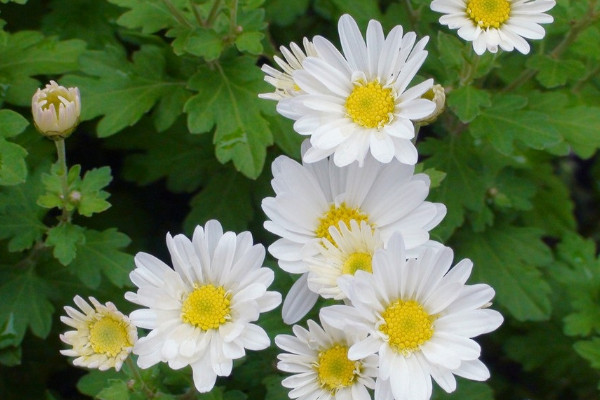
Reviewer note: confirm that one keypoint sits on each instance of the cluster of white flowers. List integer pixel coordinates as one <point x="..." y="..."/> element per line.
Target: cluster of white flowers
<point x="353" y="221"/>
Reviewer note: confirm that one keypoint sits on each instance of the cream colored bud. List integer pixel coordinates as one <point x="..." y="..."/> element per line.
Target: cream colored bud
<point x="56" y="110"/>
<point x="436" y="94"/>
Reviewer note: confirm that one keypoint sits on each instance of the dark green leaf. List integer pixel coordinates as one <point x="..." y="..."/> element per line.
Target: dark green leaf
<point x="250" y="42"/>
<point x="92" y="199"/>
<point x="11" y="123"/>
<point x="65" y="239"/>
<point x="467" y="102"/>
<point x="553" y="72"/>
<point x="590" y="350"/>
<point x="13" y="169"/>
<point x="149" y="15"/>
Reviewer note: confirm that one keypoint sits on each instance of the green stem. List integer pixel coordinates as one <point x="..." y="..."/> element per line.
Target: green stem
<point x="412" y="16"/>
<point x="62" y="161"/>
<point x="214" y="12"/>
<point x="580" y="83"/>
<point x="177" y="14"/>
<point x="138" y="377"/>
<point x="197" y="15"/>
<point x="469" y="69"/>
<point x="233" y="20"/>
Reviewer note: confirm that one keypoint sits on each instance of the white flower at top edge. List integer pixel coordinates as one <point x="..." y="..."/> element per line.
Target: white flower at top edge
<point x="56" y="110"/>
<point x="103" y="336"/>
<point x="490" y="24"/>
<point x="283" y="81"/>
<point x="359" y="102"/>
<point x="420" y="318"/>
<point x="201" y="313"/>
<point x="318" y="358"/>
<point x="311" y="198"/>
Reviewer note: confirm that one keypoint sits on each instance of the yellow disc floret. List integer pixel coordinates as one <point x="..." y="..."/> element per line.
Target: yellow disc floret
<point x="337" y="214"/>
<point x="357" y="261"/>
<point x="335" y="370"/>
<point x="109" y="336"/>
<point x="488" y="13"/>
<point x="207" y="307"/>
<point x="370" y="105"/>
<point x="407" y="325"/>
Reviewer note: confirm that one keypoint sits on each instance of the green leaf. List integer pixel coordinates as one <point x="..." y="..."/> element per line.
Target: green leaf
<point x="20" y="217"/>
<point x="149" y="15"/>
<point x="117" y="390"/>
<point x="284" y="136"/>
<point x="11" y="123"/>
<point x="92" y="197"/>
<point x="13" y="169"/>
<point x="65" y="239"/>
<point x="466" y="390"/>
<point x="580" y="127"/>
<point x="94" y="381"/>
<point x="509" y="259"/>
<point x="466" y="182"/>
<point x="101" y="252"/>
<point x="284" y="12"/>
<point x="467" y="102"/>
<point x="122" y="98"/>
<point x="250" y="42"/>
<point x="504" y="121"/>
<point x="227" y="198"/>
<point x="451" y="51"/>
<point x="227" y="99"/>
<point x="204" y="43"/>
<point x="27" y="53"/>
<point x="25" y="300"/>
<point x="554" y="72"/>
<point x="275" y="390"/>
<point x="361" y="10"/>
<point x="590" y="350"/>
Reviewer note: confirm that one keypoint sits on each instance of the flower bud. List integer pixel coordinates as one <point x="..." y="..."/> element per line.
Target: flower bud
<point x="56" y="110"/>
<point x="438" y="96"/>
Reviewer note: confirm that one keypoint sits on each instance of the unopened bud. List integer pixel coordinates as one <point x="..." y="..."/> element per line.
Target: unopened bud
<point x="438" y="96"/>
<point x="56" y="110"/>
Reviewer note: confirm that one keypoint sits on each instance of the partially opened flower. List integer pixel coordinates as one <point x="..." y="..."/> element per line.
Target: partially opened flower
<point x="201" y="313"/>
<point x="56" y="110"/>
<point x="420" y="318"/>
<point x="318" y="358"/>
<point x="359" y="102"/>
<point x="490" y="24"/>
<point x="283" y="81"/>
<point x="103" y="336"/>
<point x="311" y="198"/>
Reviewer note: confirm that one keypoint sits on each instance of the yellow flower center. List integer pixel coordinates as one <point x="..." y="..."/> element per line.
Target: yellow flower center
<point x="489" y="13"/>
<point x="109" y="336"/>
<point x="335" y="215"/>
<point x="357" y="261"/>
<point x="370" y="105"/>
<point x="52" y="97"/>
<point x="407" y="325"/>
<point x="335" y="370"/>
<point x="207" y="307"/>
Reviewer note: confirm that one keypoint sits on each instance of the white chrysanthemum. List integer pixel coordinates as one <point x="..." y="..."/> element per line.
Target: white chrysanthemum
<point x="420" y="317"/>
<point x="490" y="24"/>
<point x="313" y="197"/>
<point x="318" y="358"/>
<point x="103" y="337"/>
<point x="283" y="81"/>
<point x="56" y="110"/>
<point x="350" y="249"/>
<point x="358" y="102"/>
<point x="201" y="312"/>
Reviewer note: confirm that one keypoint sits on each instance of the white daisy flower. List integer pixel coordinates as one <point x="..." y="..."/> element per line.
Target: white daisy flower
<point x="283" y="81"/>
<point x="311" y="198"/>
<point x="318" y="358"/>
<point x="56" y="110"/>
<point x="201" y="313"/>
<point x="351" y="249"/>
<point x="358" y="101"/>
<point x="492" y="23"/>
<point x="103" y="336"/>
<point x="420" y="317"/>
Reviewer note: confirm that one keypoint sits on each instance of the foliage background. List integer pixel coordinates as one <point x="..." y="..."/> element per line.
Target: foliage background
<point x="173" y="130"/>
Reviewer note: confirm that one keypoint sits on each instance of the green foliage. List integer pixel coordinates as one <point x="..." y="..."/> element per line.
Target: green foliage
<point x="467" y="102"/>
<point x="65" y="238"/>
<point x="12" y="156"/>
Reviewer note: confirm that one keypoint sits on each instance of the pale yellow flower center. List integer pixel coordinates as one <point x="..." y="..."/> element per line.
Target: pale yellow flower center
<point x="335" y="370"/>
<point x="335" y="215"/>
<point x="109" y="336"/>
<point x="207" y="307"/>
<point x="357" y="261"/>
<point x="407" y="325"/>
<point x="370" y="105"/>
<point x="489" y="13"/>
<point x="52" y="97"/>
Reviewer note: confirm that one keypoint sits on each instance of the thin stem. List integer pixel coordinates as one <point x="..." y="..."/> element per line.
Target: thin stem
<point x="177" y="14"/>
<point x="138" y="377"/>
<point x="411" y="13"/>
<point x="212" y="15"/>
<point x="469" y="69"/>
<point x="197" y="15"/>
<point x="579" y="85"/>
<point x="233" y="20"/>
<point x="62" y="161"/>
